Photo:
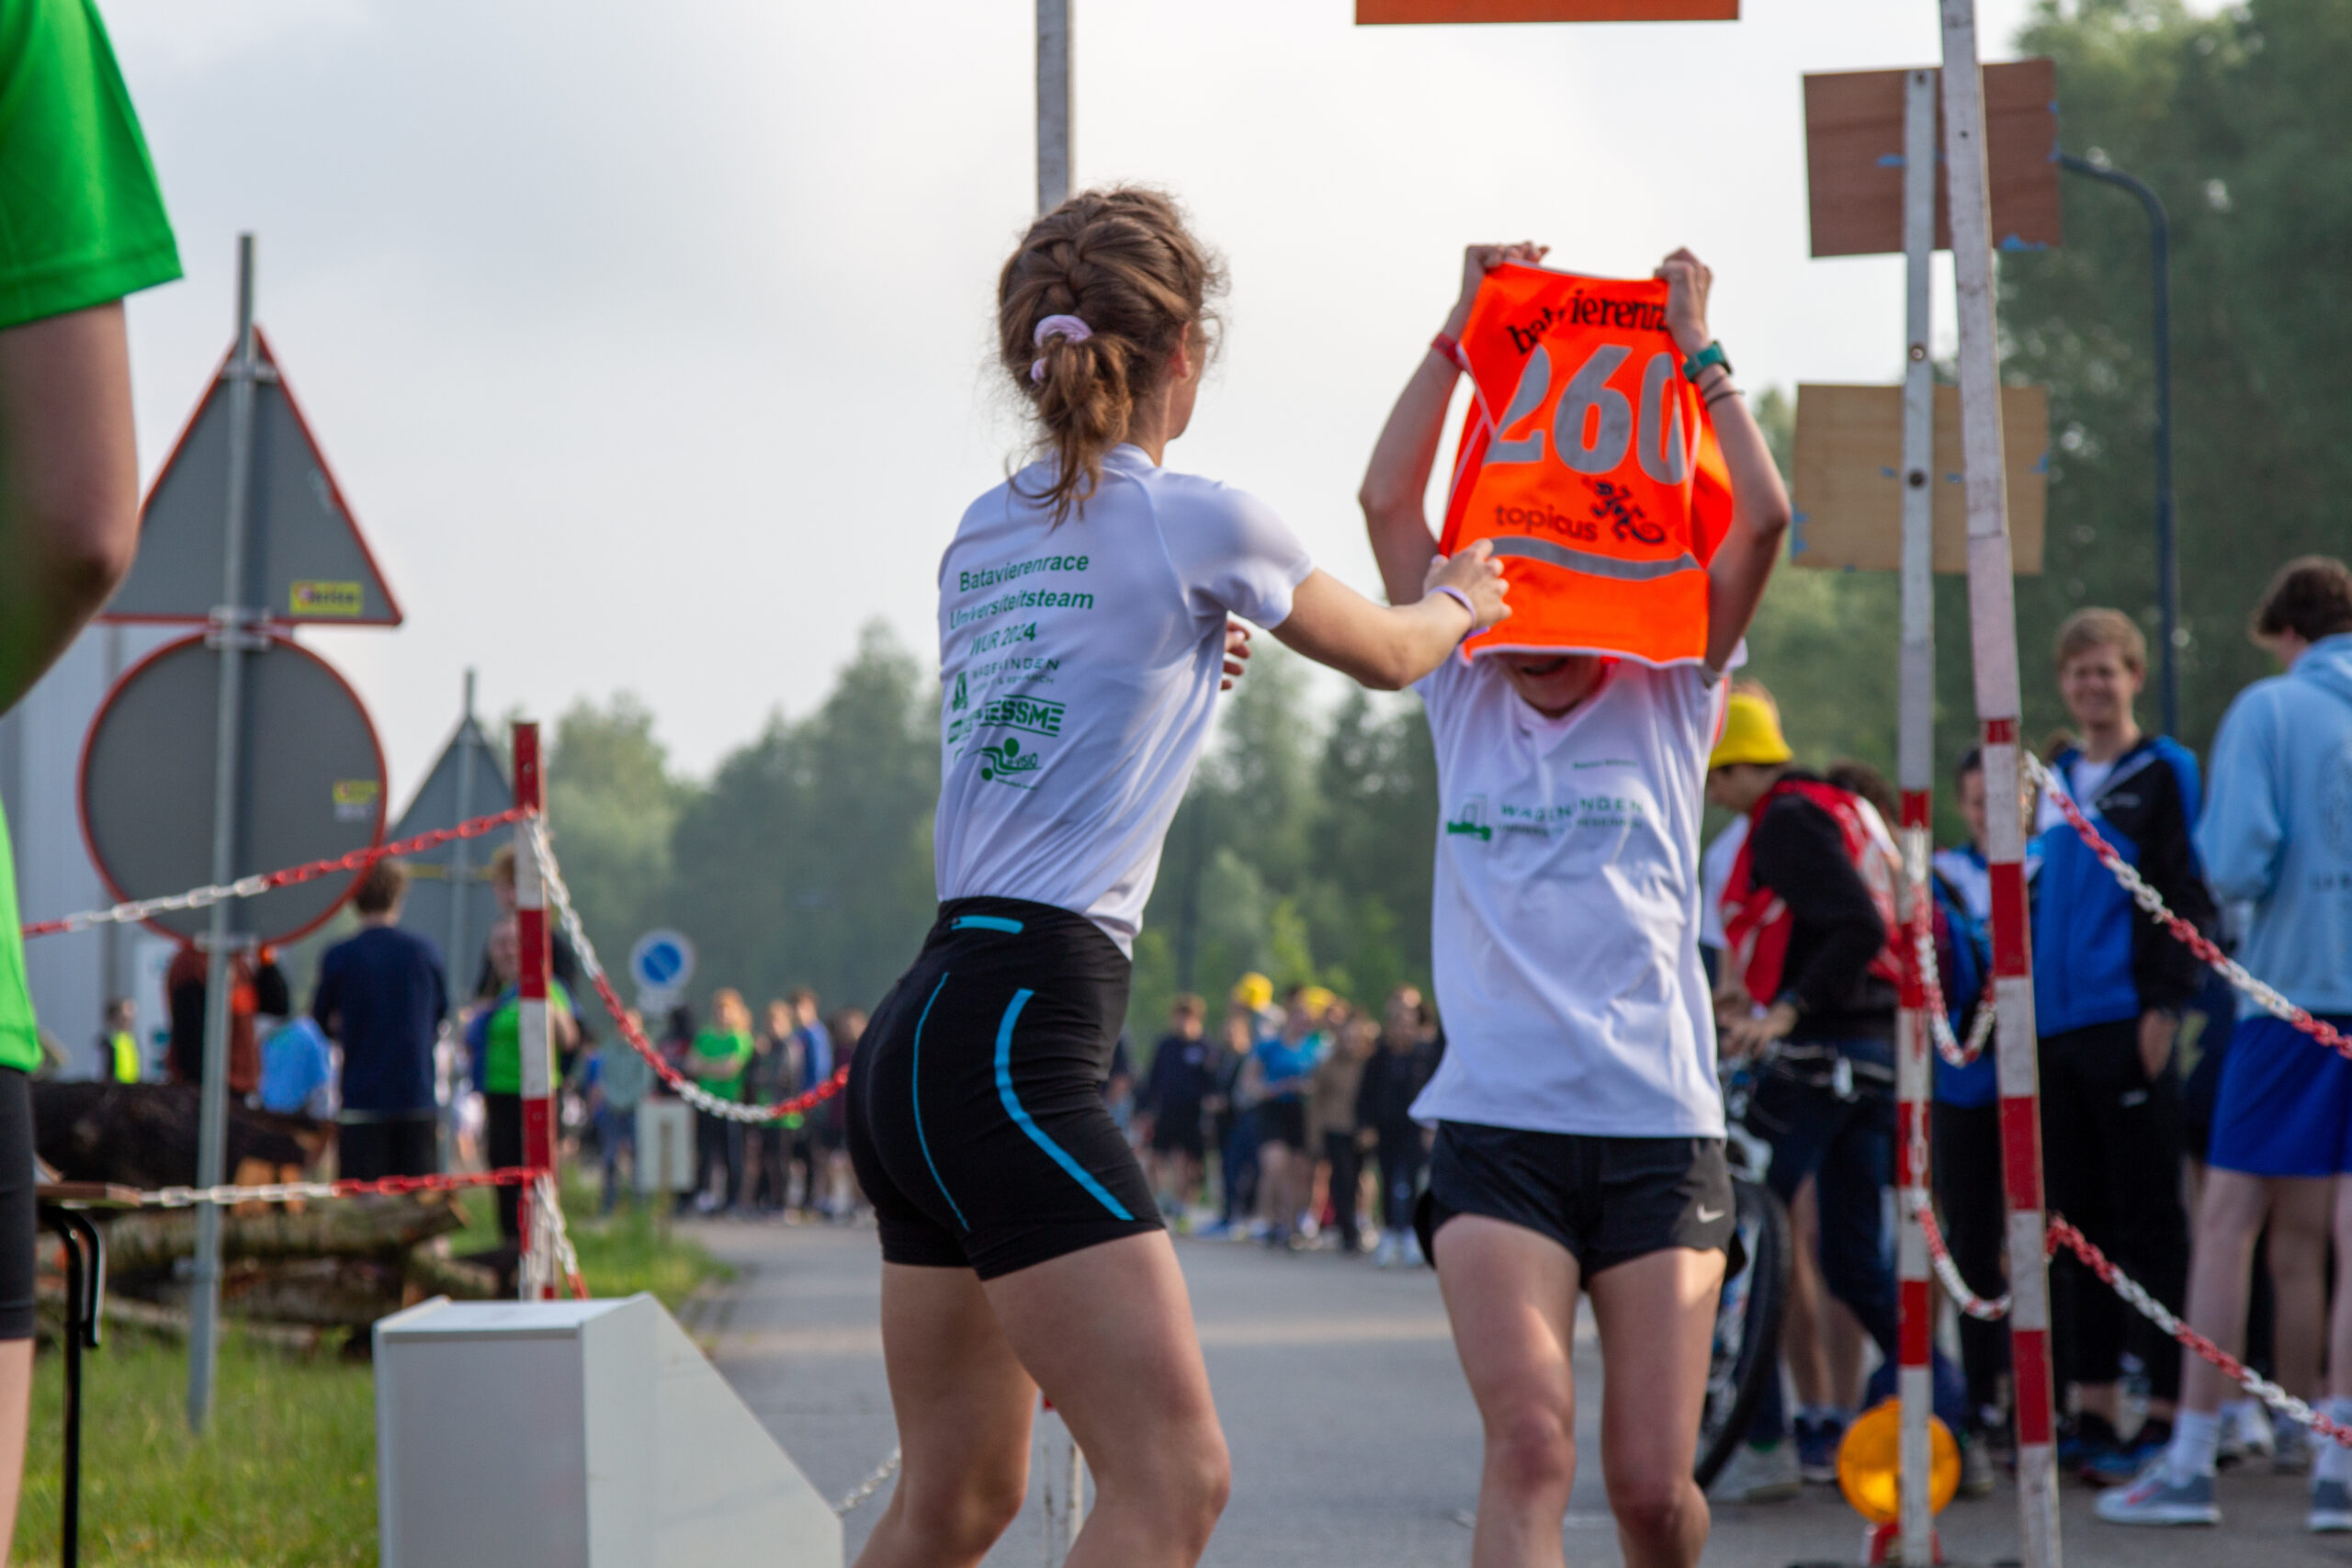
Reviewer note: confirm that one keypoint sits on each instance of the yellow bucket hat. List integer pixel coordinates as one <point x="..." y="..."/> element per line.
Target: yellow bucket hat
<point x="1751" y="733"/>
<point x="1316" y="999"/>
<point x="1254" y="991"/>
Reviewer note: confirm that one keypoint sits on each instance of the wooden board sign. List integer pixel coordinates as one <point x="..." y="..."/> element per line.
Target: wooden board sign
<point x="1849" y="481"/>
<point x="1371" y="13"/>
<point x="1853" y="159"/>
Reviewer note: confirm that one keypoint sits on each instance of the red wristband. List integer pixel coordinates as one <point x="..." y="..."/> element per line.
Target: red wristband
<point x="1448" y="345"/>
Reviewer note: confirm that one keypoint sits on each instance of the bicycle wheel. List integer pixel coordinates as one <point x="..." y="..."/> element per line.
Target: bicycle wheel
<point x="1747" y="1326"/>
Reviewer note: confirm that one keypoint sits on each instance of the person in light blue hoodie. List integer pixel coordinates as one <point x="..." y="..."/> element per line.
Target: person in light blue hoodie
<point x="2276" y="833"/>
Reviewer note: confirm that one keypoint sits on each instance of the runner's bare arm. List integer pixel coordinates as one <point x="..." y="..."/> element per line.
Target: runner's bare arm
<point x="1389" y="648"/>
<point x="69" y="484"/>
<point x="1759" y="506"/>
<point x="1398" y="475"/>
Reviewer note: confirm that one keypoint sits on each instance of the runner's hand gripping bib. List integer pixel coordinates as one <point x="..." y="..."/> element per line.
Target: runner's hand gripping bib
<point x="1590" y="465"/>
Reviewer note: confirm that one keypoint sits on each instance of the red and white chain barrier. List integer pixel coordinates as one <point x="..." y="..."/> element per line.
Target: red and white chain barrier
<point x="548" y="1208"/>
<point x="2265" y="996"/>
<point x="2062" y="1234"/>
<point x="1955" y="1050"/>
<point x="684" y="1087"/>
<point x="2147" y="1306"/>
<point x="253" y="886"/>
<point x="292" y="1191"/>
<point x="1948" y="1272"/>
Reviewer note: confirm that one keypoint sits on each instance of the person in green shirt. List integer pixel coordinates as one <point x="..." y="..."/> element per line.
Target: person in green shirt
<point x="81" y="224"/>
<point x="716" y="1059"/>
<point x="494" y="1036"/>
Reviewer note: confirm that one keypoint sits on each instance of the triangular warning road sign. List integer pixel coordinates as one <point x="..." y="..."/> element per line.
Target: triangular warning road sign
<point x="449" y="897"/>
<point x="304" y="558"/>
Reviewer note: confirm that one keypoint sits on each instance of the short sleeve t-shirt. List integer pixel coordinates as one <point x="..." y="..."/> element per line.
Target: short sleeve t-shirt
<point x="1565" y="913"/>
<point x="19" y="1031"/>
<point x="1079" y="669"/>
<point x="497" y="1038"/>
<point x="81" y="220"/>
<point x="295" y="1068"/>
<point x="714" y="1045"/>
<point x="80" y="224"/>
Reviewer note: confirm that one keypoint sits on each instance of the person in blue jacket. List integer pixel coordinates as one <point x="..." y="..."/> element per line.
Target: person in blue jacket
<point x="2109" y="987"/>
<point x="2279" y="836"/>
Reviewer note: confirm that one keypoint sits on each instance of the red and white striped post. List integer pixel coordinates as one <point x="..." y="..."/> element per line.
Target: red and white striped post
<point x="1993" y="635"/>
<point x="1916" y="769"/>
<point x="536" y="1276"/>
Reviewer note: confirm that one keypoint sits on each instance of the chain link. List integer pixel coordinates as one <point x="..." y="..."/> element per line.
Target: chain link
<point x="1948" y="1272"/>
<point x="2065" y="1234"/>
<point x="2153" y="903"/>
<point x="290" y="1192"/>
<point x="1948" y="1045"/>
<point x="546" y="1211"/>
<point x="869" y="1486"/>
<point x="263" y="882"/>
<point x="685" y="1088"/>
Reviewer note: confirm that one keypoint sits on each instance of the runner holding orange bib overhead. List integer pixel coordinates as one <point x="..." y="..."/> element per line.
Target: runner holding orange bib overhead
<point x="1588" y="459"/>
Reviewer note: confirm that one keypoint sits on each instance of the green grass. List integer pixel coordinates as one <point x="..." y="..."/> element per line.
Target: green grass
<point x="287" y="1476"/>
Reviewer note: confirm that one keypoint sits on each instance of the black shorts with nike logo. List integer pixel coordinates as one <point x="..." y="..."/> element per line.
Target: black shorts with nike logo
<point x="1608" y="1201"/>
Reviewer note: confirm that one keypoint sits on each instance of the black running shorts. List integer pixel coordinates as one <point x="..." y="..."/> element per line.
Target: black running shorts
<point x="976" y="1118"/>
<point x="1608" y="1201"/>
<point x="1282" y="1122"/>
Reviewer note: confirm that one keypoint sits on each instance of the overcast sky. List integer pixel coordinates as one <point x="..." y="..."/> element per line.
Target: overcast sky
<point x="650" y="342"/>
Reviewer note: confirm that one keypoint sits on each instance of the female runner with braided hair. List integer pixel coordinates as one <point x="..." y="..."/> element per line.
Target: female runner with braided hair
<point x="1084" y="636"/>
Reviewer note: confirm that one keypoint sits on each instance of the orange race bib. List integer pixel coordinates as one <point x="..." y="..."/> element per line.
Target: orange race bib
<point x="1589" y="465"/>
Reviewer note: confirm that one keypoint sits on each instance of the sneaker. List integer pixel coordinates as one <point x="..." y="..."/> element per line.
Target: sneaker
<point x="2292" y="1452"/>
<point x="2156" y="1499"/>
<point x="2245" y="1434"/>
<point x="1975" y="1467"/>
<point x="1816" y="1446"/>
<point x="2084" y="1438"/>
<point x="2331" y="1509"/>
<point x="2120" y="1463"/>
<point x="1413" y="1259"/>
<point x="1388" y="1252"/>
<point x="1758" y="1473"/>
<point x="1212" y="1230"/>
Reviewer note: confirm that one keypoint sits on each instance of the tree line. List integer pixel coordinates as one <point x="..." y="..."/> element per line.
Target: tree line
<point x="1305" y="847"/>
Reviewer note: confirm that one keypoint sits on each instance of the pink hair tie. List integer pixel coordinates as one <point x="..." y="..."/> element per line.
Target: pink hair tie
<point x="1068" y="327"/>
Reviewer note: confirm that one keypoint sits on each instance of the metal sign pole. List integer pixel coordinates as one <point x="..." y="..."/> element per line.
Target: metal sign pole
<point x="1993" y="635"/>
<point x="229" y="622"/>
<point x="1915" y="757"/>
<point x="460" y="857"/>
<point x="460" y="887"/>
<point x="1053" y="103"/>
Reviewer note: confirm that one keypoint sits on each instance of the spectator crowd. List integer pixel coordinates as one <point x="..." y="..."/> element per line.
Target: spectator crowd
<point x="2204" y="1144"/>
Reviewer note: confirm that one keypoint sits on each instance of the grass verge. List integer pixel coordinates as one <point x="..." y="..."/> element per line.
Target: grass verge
<point x="287" y="1476"/>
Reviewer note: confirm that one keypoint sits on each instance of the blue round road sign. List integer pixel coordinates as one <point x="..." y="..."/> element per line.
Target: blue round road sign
<point x="661" y="961"/>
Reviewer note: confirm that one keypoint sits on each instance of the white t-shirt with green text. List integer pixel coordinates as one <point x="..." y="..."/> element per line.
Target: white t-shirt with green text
<point x="1078" y="671"/>
<point x="1565" y="933"/>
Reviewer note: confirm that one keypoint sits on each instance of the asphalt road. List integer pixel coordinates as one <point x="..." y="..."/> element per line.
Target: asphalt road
<point x="1354" y="1440"/>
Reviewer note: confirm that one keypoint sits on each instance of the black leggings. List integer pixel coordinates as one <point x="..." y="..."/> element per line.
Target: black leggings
<point x="1347" y="1172"/>
<point x="1973" y="1204"/>
<point x="1403" y="1157"/>
<point x="2111" y="1151"/>
<point x="503" y="1118"/>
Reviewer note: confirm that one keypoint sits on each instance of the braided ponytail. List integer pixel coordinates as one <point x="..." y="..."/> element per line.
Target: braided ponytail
<point x="1121" y="262"/>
